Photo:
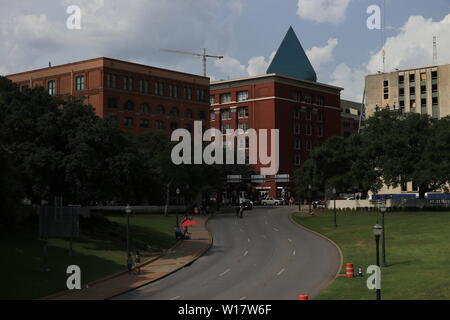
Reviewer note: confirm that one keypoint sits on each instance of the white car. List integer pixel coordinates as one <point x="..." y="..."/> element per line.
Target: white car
<point x="271" y="201"/>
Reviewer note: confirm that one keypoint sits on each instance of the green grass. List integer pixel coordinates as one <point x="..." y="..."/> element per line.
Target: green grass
<point x="99" y="251"/>
<point x="417" y="253"/>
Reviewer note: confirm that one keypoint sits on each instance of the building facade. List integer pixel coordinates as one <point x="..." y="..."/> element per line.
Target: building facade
<point x="423" y="90"/>
<point x="350" y="117"/>
<point x="139" y="97"/>
<point x="305" y="112"/>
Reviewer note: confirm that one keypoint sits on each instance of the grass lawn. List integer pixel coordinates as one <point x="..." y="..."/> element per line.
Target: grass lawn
<point x="99" y="251"/>
<point x="417" y="253"/>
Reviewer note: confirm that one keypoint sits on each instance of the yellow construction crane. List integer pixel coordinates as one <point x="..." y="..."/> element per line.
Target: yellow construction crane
<point x="204" y="55"/>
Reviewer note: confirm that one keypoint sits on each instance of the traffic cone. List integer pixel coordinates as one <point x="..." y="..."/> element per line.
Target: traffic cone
<point x="303" y="297"/>
<point x="349" y="270"/>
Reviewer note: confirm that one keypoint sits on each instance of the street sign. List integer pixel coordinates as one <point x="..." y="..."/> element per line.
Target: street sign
<point x="282" y="178"/>
<point x="234" y="178"/>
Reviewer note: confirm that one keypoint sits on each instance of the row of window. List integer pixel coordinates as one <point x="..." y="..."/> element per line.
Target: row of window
<point x="242" y="96"/>
<point x="308" y="130"/>
<point x="160" y="109"/>
<point x="412" y="77"/>
<point x="51" y="85"/>
<point x="129" y="122"/>
<point x="308" y="98"/>
<point x="160" y="88"/>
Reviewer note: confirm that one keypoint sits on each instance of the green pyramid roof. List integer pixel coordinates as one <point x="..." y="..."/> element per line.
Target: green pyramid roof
<point x="291" y="60"/>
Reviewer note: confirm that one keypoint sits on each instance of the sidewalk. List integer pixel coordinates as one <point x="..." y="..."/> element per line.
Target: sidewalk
<point x="185" y="252"/>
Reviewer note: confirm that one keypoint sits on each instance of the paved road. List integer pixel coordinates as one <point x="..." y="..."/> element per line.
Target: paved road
<point x="263" y="256"/>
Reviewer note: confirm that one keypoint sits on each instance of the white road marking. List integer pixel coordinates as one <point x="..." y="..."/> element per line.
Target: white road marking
<point x="224" y="273"/>
<point x="289" y="240"/>
<point x="293" y="253"/>
<point x="243" y="298"/>
<point x="175" y="298"/>
<point x="245" y="253"/>
<point x="276" y="229"/>
<point x="281" y="271"/>
<point x="248" y="240"/>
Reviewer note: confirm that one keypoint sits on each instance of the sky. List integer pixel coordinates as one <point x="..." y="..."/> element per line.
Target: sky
<point x="247" y="33"/>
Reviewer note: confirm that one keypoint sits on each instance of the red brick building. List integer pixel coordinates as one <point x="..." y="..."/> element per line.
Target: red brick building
<point x="305" y="112"/>
<point x="139" y="97"/>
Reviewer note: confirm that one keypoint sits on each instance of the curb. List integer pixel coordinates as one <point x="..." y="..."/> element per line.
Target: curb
<point x="341" y="256"/>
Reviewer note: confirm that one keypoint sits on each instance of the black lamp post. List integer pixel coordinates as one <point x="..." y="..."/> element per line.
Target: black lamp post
<point x="128" y="211"/>
<point x="335" y="218"/>
<point x="309" y="188"/>
<point x="383" y="238"/>
<point x="377" y="231"/>
<point x="178" y="203"/>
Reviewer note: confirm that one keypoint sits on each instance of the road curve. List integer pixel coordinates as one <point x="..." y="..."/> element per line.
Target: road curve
<point x="263" y="256"/>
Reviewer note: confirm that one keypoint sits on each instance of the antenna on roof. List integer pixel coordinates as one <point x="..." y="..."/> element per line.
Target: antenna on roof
<point x="435" y="53"/>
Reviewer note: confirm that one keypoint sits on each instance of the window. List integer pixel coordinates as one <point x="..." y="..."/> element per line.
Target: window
<point x="412" y="105"/>
<point x="308" y="130"/>
<point x="111" y="81"/>
<point x="128" y="122"/>
<point x="320" y="115"/>
<point x="202" y="95"/>
<point x="320" y="132"/>
<point x="160" y="125"/>
<point x="225" y="127"/>
<point x="174" y="112"/>
<point x="173" y="91"/>
<point x="243" y="126"/>
<point x="296" y="96"/>
<point x="412" y="91"/>
<point x="423" y="89"/>
<point x="201" y="115"/>
<point x="225" y="98"/>
<point x="401" y="91"/>
<point x="159" y="88"/>
<point x="297" y="113"/>
<point x="423" y="76"/>
<point x="144" y="123"/>
<point x="188" y="93"/>
<point x="434" y="75"/>
<point x="297" y="144"/>
<point x="160" y="109"/>
<point x="79" y="83"/>
<point x="189" y="114"/>
<point x="297" y="160"/>
<point x="401" y="79"/>
<point x="145" y="108"/>
<point x="434" y="88"/>
<point x="129" y="105"/>
<point x="404" y="187"/>
<point x="173" y="126"/>
<point x="308" y="145"/>
<point x="320" y="100"/>
<point x="242" y="96"/>
<point x="225" y="114"/>
<point x="435" y="101"/>
<point x="412" y="78"/>
<point x="243" y="112"/>
<point x="212" y="115"/>
<point x="211" y="99"/>
<point x="386" y="89"/>
<point x="308" y="114"/>
<point x="385" y="83"/>
<point x="112" y="103"/>
<point x="296" y="128"/>
<point x="128" y="84"/>
<point x="308" y="98"/>
<point x="143" y="86"/>
<point x="51" y="87"/>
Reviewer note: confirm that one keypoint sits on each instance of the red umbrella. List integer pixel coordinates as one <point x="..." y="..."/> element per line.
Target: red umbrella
<point x="188" y="223"/>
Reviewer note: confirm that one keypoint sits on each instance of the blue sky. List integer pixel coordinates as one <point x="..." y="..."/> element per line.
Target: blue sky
<point x="246" y="32"/>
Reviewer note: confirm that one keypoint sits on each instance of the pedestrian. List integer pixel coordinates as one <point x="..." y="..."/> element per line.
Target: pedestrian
<point x="241" y="211"/>
<point x="137" y="262"/>
<point x="129" y="263"/>
<point x="196" y="210"/>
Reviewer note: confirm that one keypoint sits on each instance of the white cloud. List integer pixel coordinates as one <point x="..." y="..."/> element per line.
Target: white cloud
<point x="352" y="80"/>
<point x="413" y="45"/>
<point x="322" y="55"/>
<point x="232" y="68"/>
<point x="320" y="11"/>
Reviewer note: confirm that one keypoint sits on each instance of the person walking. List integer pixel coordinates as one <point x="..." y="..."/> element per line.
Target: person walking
<point x="241" y="211"/>
<point x="137" y="262"/>
<point x="129" y="263"/>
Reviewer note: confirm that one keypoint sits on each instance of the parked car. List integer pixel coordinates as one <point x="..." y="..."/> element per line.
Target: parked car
<point x="247" y="204"/>
<point x="269" y="201"/>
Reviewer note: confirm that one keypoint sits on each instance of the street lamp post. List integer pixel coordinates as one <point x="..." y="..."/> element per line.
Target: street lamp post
<point x="377" y="231"/>
<point x="383" y="238"/>
<point x="178" y="203"/>
<point x="335" y="218"/>
<point x="128" y="211"/>
<point x="309" y="193"/>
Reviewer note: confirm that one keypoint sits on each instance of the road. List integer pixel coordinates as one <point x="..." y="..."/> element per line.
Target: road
<point x="263" y="256"/>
